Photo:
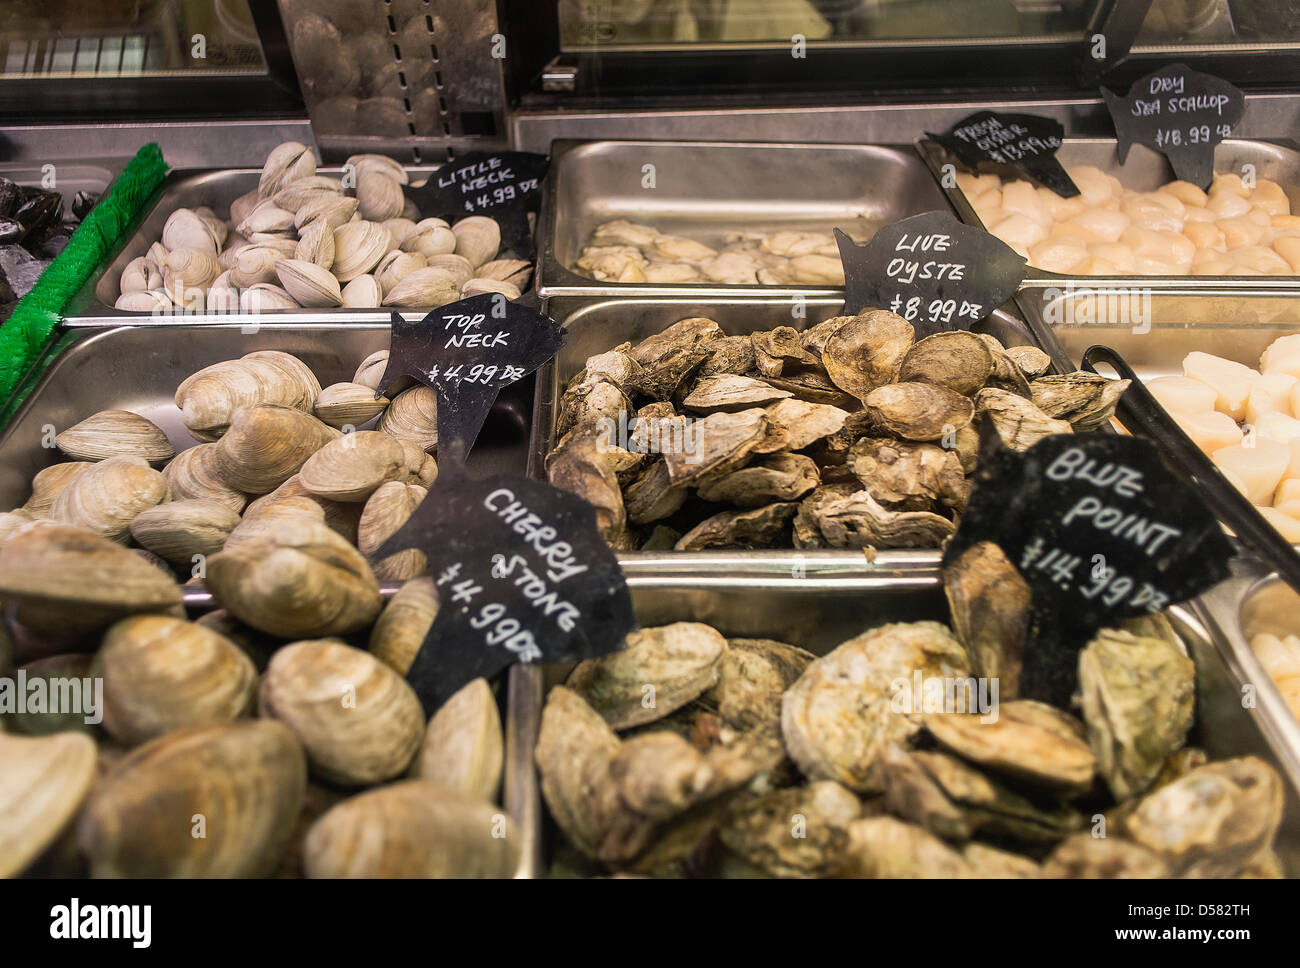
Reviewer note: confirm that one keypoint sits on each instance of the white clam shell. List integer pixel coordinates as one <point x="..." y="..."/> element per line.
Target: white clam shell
<point x="309" y="284"/>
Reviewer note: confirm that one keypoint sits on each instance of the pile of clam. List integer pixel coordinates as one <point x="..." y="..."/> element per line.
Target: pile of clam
<point x="298" y="240"/>
<point x="632" y="252"/>
<point x="692" y="754"/>
<point x="275" y="734"/>
<point x="850" y="434"/>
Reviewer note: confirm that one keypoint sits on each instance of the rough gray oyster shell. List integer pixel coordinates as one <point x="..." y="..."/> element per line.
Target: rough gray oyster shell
<point x="1214" y="821"/>
<point x="989" y="602"/>
<point x="799" y="832"/>
<point x="759" y="528"/>
<point x="838" y="719"/>
<point x="909" y="476"/>
<point x="1083" y="855"/>
<point x="1086" y="400"/>
<point x="1029" y="740"/>
<point x="658" y="670"/>
<point x="886" y="847"/>
<point x="866" y="351"/>
<point x="958" y="360"/>
<point x="1138" y="696"/>
<point x="919" y="411"/>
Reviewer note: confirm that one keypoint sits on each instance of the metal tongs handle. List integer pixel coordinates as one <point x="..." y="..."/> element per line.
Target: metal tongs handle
<point x="1142" y="415"/>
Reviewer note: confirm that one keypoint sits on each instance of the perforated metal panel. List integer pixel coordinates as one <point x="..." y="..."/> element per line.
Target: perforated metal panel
<point x="419" y="80"/>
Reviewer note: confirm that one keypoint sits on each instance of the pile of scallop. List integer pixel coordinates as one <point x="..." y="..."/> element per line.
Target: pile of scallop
<point x="1234" y="229"/>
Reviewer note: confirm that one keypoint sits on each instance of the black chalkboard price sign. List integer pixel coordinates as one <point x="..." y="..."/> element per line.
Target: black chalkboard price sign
<point x="503" y="185"/>
<point x="521" y="569"/>
<point x="468" y="351"/>
<point x="1020" y="144"/>
<point x="1101" y="530"/>
<point x="522" y="574"/>
<point x="932" y="270"/>
<point x="1180" y="112"/>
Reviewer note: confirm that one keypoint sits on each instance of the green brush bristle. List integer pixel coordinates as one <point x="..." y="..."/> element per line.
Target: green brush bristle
<point x="28" y="330"/>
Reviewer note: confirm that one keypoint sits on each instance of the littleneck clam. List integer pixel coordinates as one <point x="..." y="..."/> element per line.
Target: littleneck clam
<point x="463" y="746"/>
<point x="303" y="219"/>
<point x="353" y="466"/>
<point x="415" y="828"/>
<point x="359" y="722"/>
<point x="115" y="433"/>
<point x="164" y="674"/>
<point x="214" y="801"/>
<point x="401" y="628"/>
<point x="108" y="497"/>
<point x="179" y="530"/>
<point x="60" y="577"/>
<point x="46" y="779"/>
<point x="299" y="579"/>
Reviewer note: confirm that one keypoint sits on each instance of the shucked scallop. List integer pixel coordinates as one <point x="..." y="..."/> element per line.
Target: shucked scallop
<point x="1231" y="381"/>
<point x="1260" y="467"/>
<point x="1209" y="430"/>
<point x="1182" y="395"/>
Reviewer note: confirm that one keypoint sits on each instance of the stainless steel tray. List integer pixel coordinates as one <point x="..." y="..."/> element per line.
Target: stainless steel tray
<point x="820" y="618"/>
<point x="705" y="189"/>
<point x="138" y="369"/>
<point x="1247" y="604"/>
<point x="594" y="324"/>
<point x="1048" y="298"/>
<point x="92" y="307"/>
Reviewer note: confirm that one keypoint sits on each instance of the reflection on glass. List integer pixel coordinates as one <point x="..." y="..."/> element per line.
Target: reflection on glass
<point x="1200" y="23"/>
<point x="114" y="38"/>
<point x="630" y="23"/>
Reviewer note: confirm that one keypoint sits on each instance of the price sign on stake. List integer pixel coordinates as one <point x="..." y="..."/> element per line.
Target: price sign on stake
<point x="930" y="269"/>
<point x="1024" y="142"/>
<point x="499" y="184"/>
<point x="1101" y="530"/>
<point x="522" y="574"/>
<point x="1181" y="112"/>
<point x="468" y="351"/>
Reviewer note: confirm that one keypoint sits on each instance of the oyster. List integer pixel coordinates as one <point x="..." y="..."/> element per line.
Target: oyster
<point x="955" y="801"/>
<point x="990" y="862"/>
<point x="591" y="401"/>
<point x="669" y="357"/>
<point x="723" y="442"/>
<point x="865" y="352"/>
<point x="1019" y="422"/>
<point x="774" y="349"/>
<point x="852" y="518"/>
<point x="798" y="832"/>
<point x="1087" y="856"/>
<point x="729" y="354"/>
<point x="783" y="477"/>
<point x="1028" y="740"/>
<point x="1086" y="400"/>
<point x="909" y="476"/>
<point x="796" y="424"/>
<point x="958" y="360"/>
<point x="1032" y="361"/>
<point x="887" y="847"/>
<point x="1137" y="695"/>
<point x="659" y="670"/>
<point x="729" y="393"/>
<point x="580" y="465"/>
<point x="652" y="496"/>
<point x="919" y="411"/>
<point x="838" y="720"/>
<point x="989" y="602"/>
<point x="760" y="528"/>
<point x="1214" y="821"/>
